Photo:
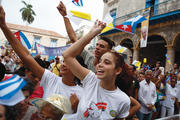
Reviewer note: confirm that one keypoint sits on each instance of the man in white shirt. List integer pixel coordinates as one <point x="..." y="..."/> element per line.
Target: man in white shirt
<point x="171" y="98"/>
<point x="146" y="96"/>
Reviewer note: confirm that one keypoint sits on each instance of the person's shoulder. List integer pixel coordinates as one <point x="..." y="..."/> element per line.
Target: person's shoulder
<point x="50" y="75"/>
<point x="153" y="84"/>
<point x="142" y="82"/>
<point x="122" y="95"/>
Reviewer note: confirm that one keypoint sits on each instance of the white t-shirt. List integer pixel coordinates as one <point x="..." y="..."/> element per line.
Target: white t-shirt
<point x="52" y="84"/>
<point x="100" y="104"/>
<point x="171" y="94"/>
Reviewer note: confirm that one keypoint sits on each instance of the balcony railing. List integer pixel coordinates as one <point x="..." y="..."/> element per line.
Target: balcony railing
<point x="161" y="8"/>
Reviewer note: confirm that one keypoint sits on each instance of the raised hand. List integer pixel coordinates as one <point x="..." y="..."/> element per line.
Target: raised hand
<point x="62" y="9"/>
<point x="98" y="26"/>
<point x="2" y="17"/>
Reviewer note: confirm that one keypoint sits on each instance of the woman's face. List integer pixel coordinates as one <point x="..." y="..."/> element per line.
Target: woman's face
<point x="106" y="67"/>
<point x="64" y="69"/>
<point x="2" y="112"/>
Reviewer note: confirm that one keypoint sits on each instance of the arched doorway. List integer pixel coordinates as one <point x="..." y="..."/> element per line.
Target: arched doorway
<point x="177" y="49"/>
<point x="155" y="50"/>
<point x="129" y="52"/>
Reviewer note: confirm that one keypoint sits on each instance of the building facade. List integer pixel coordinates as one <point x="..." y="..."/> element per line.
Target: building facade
<point x="163" y="32"/>
<point x="44" y="37"/>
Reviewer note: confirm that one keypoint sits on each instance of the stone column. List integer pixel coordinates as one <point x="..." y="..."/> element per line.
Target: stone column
<point x="171" y="55"/>
<point x="135" y="54"/>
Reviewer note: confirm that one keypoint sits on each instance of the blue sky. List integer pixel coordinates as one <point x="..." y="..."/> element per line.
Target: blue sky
<point x="47" y="16"/>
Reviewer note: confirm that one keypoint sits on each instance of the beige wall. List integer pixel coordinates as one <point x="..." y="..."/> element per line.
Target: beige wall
<point x="123" y="7"/>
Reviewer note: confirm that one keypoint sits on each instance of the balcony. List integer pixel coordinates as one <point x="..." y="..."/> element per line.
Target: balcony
<point x="166" y="7"/>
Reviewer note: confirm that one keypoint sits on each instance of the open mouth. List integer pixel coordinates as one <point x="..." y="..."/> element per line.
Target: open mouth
<point x="100" y="72"/>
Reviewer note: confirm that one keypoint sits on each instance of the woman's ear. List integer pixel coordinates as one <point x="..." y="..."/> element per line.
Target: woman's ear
<point x="118" y="70"/>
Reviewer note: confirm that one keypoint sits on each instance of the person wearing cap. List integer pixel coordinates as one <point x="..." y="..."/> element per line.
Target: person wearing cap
<point x="56" y="66"/>
<point x="53" y="107"/>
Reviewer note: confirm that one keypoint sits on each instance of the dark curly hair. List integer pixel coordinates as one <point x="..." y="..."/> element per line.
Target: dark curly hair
<point x="110" y="42"/>
<point x="125" y="79"/>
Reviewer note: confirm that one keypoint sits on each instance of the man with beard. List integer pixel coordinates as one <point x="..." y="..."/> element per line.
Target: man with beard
<point x="146" y="96"/>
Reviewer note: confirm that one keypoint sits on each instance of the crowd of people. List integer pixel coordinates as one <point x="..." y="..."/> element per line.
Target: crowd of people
<point x="85" y="86"/>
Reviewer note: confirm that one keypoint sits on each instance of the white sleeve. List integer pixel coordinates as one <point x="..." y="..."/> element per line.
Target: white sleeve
<point x="124" y="111"/>
<point x="48" y="78"/>
<point x="90" y="79"/>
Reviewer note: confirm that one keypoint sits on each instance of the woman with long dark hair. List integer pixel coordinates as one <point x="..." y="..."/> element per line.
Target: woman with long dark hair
<point x="102" y="98"/>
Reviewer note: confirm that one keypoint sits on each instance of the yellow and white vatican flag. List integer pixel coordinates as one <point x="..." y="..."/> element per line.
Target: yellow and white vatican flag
<point x="109" y="22"/>
<point x="77" y="17"/>
<point x="144" y="28"/>
<point x="137" y="64"/>
<point x="120" y="49"/>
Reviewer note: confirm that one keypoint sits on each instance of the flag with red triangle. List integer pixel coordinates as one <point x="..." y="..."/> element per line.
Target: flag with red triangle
<point x="78" y="2"/>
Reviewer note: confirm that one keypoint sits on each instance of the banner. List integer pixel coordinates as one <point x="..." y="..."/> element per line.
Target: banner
<point x="50" y="51"/>
<point x="144" y="28"/>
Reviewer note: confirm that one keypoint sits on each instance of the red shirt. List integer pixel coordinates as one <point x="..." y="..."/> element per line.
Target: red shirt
<point x="38" y="92"/>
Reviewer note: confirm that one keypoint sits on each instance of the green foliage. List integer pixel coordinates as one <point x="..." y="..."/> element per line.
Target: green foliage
<point x="27" y="13"/>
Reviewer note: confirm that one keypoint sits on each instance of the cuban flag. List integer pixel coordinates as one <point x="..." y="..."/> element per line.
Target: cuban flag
<point x="11" y="86"/>
<point x="10" y="91"/>
<point x="22" y="38"/>
<point x="78" y="2"/>
<point x="130" y="25"/>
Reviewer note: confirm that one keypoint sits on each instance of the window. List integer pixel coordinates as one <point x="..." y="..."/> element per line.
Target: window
<point x="37" y="39"/>
<point x="154" y="6"/>
<point x="148" y="3"/>
<point x="53" y="43"/>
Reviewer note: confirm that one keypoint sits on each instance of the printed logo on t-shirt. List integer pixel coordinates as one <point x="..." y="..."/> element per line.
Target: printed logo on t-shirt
<point x="95" y="110"/>
<point x="113" y="113"/>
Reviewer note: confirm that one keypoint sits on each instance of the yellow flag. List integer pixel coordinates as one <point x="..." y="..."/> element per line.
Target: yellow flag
<point x="137" y="64"/>
<point x="81" y="15"/>
<point x="120" y="49"/>
<point x="145" y="60"/>
<point x="107" y="28"/>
